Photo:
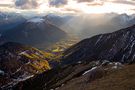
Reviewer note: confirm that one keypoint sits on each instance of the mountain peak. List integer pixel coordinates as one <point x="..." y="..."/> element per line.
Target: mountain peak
<point x="36" y="20"/>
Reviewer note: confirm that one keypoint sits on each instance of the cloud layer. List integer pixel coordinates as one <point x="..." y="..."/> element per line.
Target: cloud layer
<point x="26" y="3"/>
<point x="58" y="2"/>
<point x="75" y="6"/>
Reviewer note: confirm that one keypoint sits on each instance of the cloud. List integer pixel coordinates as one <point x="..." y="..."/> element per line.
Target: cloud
<point x="75" y="6"/>
<point x="131" y="2"/>
<point x="85" y="0"/>
<point x="26" y="4"/>
<point x="58" y="2"/>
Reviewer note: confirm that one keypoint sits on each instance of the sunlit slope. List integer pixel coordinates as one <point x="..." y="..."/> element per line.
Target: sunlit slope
<point x="19" y="62"/>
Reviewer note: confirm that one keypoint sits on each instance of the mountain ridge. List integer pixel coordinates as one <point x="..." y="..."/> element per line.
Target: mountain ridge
<point x="34" y="34"/>
<point x="110" y="46"/>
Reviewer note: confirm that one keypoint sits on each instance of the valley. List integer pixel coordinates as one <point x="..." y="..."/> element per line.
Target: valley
<point x="51" y="45"/>
<point x="91" y="64"/>
<point x="32" y="61"/>
<point x="58" y="48"/>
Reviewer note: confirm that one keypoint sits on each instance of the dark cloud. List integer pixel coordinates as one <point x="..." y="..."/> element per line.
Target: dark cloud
<point x="58" y="2"/>
<point x="26" y="4"/>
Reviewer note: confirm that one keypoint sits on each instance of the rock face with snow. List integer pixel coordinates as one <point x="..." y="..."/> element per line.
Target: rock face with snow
<point x="36" y="20"/>
<point x="118" y="46"/>
<point x="19" y="62"/>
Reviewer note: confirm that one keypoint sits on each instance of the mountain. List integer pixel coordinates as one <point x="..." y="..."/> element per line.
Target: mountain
<point x="35" y="32"/>
<point x="104" y="61"/>
<point x="19" y="62"/>
<point x="58" y="20"/>
<point x="61" y="21"/>
<point x="101" y="62"/>
<point x="118" y="46"/>
<point x="93" y="24"/>
<point x="73" y="77"/>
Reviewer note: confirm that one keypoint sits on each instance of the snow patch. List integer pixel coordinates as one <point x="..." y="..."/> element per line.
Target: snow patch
<point x="79" y="62"/>
<point x="98" y="39"/>
<point x="2" y="72"/>
<point x="117" y="65"/>
<point x="89" y="70"/>
<point x="24" y="52"/>
<point x="36" y="20"/>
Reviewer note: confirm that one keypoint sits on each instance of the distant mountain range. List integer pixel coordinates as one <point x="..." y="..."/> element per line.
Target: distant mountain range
<point x="89" y="25"/>
<point x="60" y="24"/>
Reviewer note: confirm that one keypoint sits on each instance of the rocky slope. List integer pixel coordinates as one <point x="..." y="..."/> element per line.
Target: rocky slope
<point x="19" y="62"/>
<point x="118" y="79"/>
<point x="118" y="46"/>
<point x="76" y="74"/>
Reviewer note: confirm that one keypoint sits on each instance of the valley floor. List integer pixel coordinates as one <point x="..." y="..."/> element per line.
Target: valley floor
<point x="58" y="48"/>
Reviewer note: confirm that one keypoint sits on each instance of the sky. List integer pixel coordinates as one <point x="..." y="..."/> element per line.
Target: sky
<point x="70" y="6"/>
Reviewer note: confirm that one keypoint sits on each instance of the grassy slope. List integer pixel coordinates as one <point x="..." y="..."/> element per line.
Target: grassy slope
<point x="118" y="80"/>
<point x="123" y="79"/>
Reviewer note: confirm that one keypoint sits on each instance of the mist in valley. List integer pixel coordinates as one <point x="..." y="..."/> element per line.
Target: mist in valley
<point x="87" y="25"/>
